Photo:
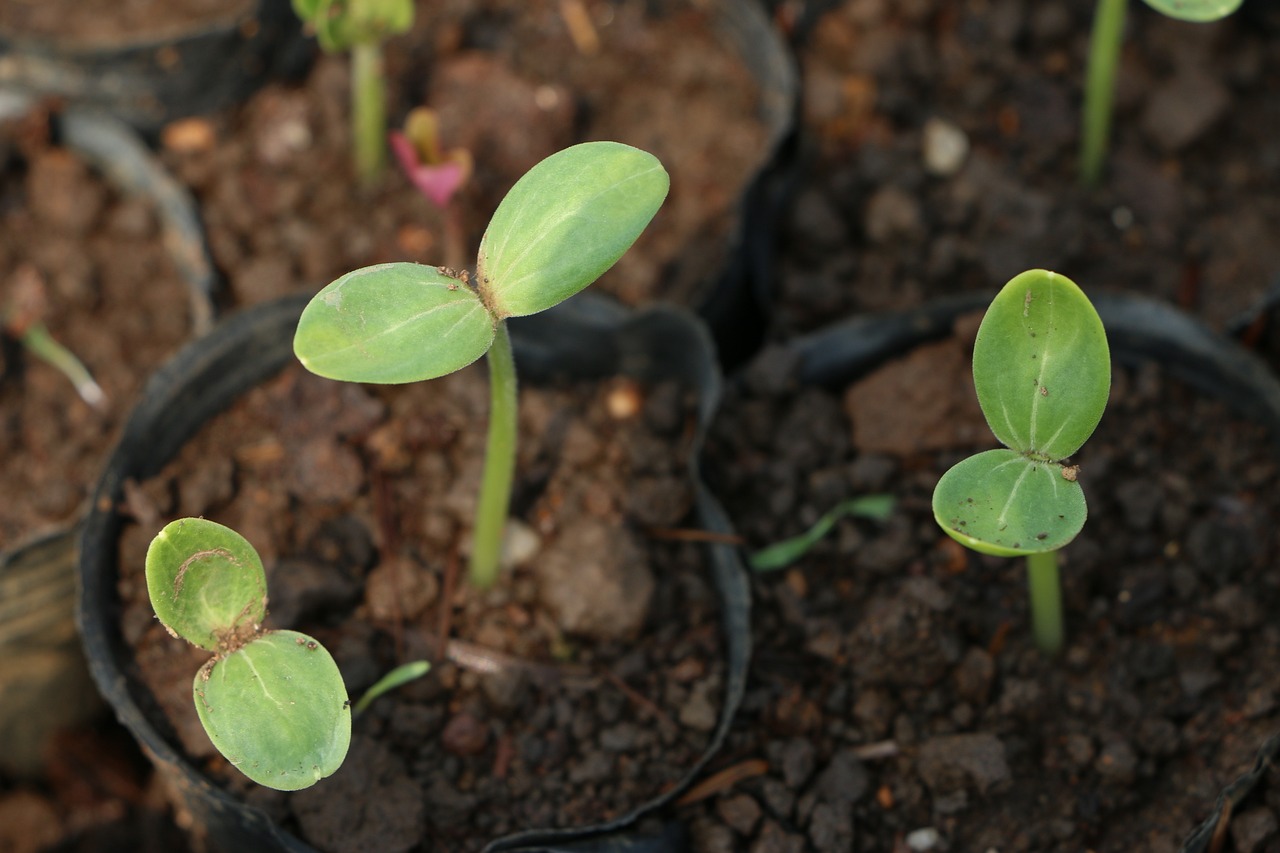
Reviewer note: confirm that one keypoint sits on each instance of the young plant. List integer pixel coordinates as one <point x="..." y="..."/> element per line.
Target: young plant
<point x="272" y="702"/>
<point x="1104" y="55"/>
<point x="1042" y="372"/>
<point x="559" y="228"/>
<point x="438" y="174"/>
<point x="361" y="26"/>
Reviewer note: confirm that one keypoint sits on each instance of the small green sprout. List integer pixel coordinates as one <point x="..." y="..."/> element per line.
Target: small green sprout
<point x="1042" y="372"/>
<point x="1104" y="55"/>
<point x="397" y="677"/>
<point x="559" y="228"/>
<point x="361" y="25"/>
<point x="779" y="555"/>
<point x="272" y="702"/>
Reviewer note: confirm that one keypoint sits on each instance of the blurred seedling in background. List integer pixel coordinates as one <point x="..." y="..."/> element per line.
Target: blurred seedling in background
<point x="779" y="555"/>
<point x="1104" y="56"/>
<point x="1042" y="372"/>
<point x="22" y="320"/>
<point x="438" y="174"/>
<point x="361" y="26"/>
<point x="562" y="225"/>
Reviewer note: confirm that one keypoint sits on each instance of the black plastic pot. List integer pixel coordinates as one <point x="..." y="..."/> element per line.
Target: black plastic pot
<point x="582" y="339"/>
<point x="150" y="78"/>
<point x="1139" y="330"/>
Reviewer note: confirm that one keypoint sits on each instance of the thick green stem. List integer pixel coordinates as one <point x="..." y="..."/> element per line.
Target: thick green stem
<point x="1046" y="601"/>
<point x="499" y="463"/>
<point x="1099" y="87"/>
<point x="368" y="110"/>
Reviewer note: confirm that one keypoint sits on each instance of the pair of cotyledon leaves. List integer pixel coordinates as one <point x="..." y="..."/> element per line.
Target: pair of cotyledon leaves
<point x="1042" y="372"/>
<point x="273" y="702"/>
<point x="559" y="228"/>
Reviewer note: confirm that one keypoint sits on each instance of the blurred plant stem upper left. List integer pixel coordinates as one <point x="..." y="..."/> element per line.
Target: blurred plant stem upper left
<point x="361" y="26"/>
<point x="22" y="319"/>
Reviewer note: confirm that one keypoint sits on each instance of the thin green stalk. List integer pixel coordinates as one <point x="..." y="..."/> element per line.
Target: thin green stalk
<point x="42" y="344"/>
<point x="368" y="110"/>
<point x="1099" y="87"/>
<point x="499" y="462"/>
<point x="1046" y="601"/>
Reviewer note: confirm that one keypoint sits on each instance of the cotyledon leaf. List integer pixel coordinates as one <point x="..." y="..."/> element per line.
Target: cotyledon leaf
<point x="1199" y="11"/>
<point x="277" y="710"/>
<point x="1041" y="366"/>
<point x="1003" y="503"/>
<point x="206" y="582"/>
<point x="393" y="323"/>
<point x="565" y="222"/>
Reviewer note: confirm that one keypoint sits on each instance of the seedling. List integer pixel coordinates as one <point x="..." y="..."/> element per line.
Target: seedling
<point x="1104" y="54"/>
<point x="361" y="26"/>
<point x="779" y="555"/>
<point x="559" y="228"/>
<point x="22" y="320"/>
<point x="272" y="702"/>
<point x="1042" y="372"/>
<point x="438" y="174"/>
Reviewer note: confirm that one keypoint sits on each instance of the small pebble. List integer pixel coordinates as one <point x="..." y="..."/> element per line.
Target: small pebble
<point x="945" y="147"/>
<point x="923" y="839"/>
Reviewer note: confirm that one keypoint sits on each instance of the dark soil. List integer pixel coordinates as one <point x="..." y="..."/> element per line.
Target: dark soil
<point x="898" y="702"/>
<point x="584" y="684"/>
<point x="1183" y="213"/>
<point x="114" y="21"/>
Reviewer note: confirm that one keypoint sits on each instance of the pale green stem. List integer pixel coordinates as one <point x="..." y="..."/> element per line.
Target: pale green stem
<point x="42" y="344"/>
<point x="1099" y="87"/>
<point x="368" y="110"/>
<point x="1046" y="601"/>
<point x="499" y="462"/>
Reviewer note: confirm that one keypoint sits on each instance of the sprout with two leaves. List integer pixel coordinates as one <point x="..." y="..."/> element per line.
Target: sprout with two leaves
<point x="1042" y="372"/>
<point x="562" y="225"/>
<point x="272" y="702"/>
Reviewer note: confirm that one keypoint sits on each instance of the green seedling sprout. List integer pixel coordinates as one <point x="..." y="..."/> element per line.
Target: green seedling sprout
<point x="21" y="319"/>
<point x="779" y="555"/>
<point x="272" y="702"/>
<point x="1104" y="56"/>
<point x="570" y="218"/>
<point x="1042" y="372"/>
<point x="361" y="26"/>
<point x="397" y="677"/>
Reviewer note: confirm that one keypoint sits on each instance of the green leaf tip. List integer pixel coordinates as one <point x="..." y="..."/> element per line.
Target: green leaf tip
<point x="393" y="323"/>
<point x="1196" y="11"/>
<point x="566" y="222"/>
<point x="206" y="583"/>
<point x="1041" y="366"/>
<point x="277" y="709"/>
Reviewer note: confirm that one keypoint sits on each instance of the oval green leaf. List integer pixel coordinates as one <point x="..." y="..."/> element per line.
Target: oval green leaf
<point x="393" y="323"/>
<point x="206" y="582"/>
<point x="1199" y="11"/>
<point x="565" y="222"/>
<point x="1002" y="503"/>
<point x="1041" y="366"/>
<point x="277" y="710"/>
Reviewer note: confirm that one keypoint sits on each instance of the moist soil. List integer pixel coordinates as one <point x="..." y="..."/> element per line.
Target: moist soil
<point x="897" y="700"/>
<point x="585" y="683"/>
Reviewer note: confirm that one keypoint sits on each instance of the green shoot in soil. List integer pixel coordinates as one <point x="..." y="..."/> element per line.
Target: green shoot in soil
<point x="397" y="677"/>
<point x="563" y="224"/>
<point x="779" y="555"/>
<point x="1042" y="372"/>
<point x="361" y="26"/>
<point x="272" y="702"/>
<point x="1104" y="56"/>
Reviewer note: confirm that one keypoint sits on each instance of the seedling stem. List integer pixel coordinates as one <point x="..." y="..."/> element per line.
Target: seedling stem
<point x="499" y="463"/>
<point x="1099" y="91"/>
<point x="1046" y="601"/>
